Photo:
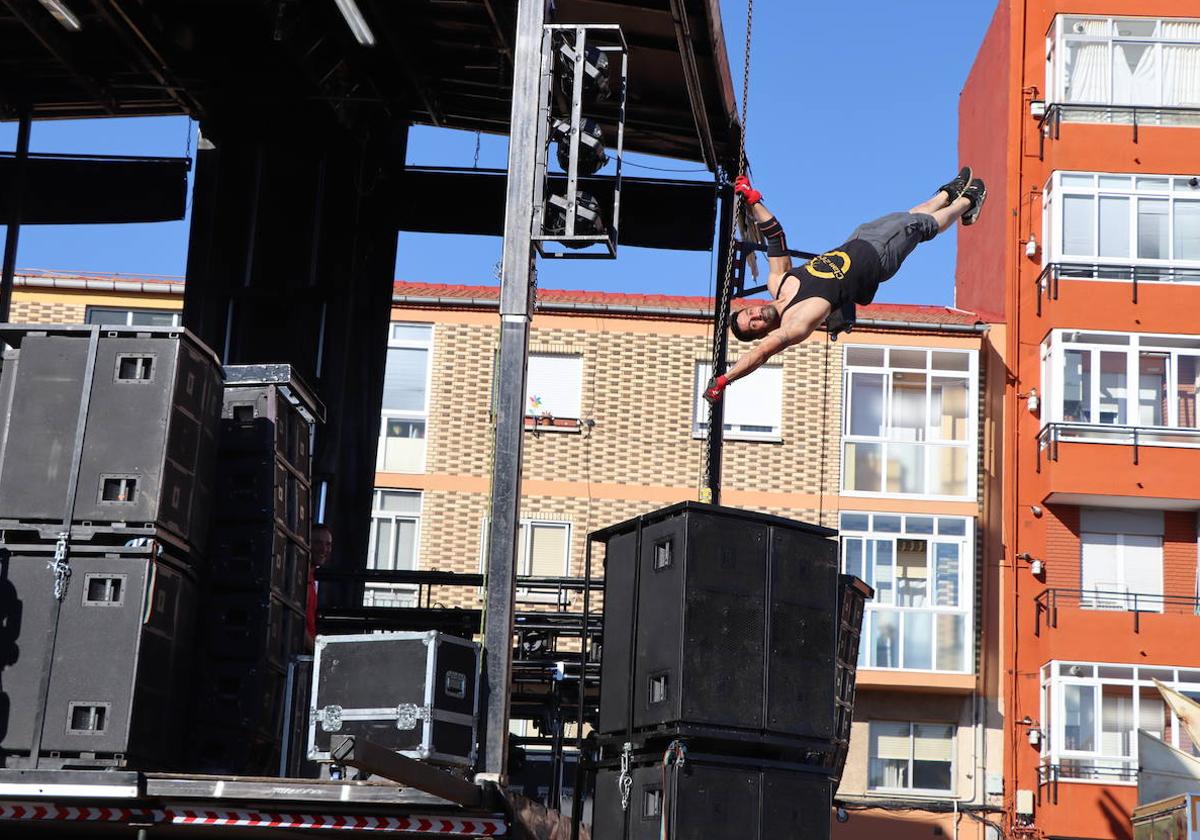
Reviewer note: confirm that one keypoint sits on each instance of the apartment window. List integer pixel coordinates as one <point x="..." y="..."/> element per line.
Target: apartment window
<point x="1121" y="559"/>
<point x="1091" y="713"/>
<point x="405" y="413"/>
<point x="921" y="568"/>
<point x="1087" y="380"/>
<point x="909" y="422"/>
<point x="753" y="404"/>
<point x="133" y="317"/>
<point x="911" y="757"/>
<point x="1150" y="221"/>
<point x="1144" y="62"/>
<point x="543" y="550"/>
<point x="393" y="545"/>
<point x="553" y="387"/>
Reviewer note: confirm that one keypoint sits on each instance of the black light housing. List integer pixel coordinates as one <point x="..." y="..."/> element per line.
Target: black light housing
<point x="588" y="220"/>
<point x="592" y="155"/>
<point x="595" y="71"/>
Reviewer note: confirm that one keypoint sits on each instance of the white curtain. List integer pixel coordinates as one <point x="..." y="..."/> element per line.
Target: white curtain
<point x="1181" y="64"/>
<point x="1135" y="74"/>
<point x="1086" y="65"/>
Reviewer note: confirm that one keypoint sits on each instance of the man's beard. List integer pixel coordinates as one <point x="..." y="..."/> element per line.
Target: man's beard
<point x="771" y="313"/>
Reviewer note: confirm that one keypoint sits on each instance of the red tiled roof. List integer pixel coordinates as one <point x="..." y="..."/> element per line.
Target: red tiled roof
<point x="449" y="292"/>
<point x="149" y="279"/>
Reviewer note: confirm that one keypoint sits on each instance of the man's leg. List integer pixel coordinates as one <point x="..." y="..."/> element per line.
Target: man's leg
<point x="951" y="213"/>
<point x="931" y="206"/>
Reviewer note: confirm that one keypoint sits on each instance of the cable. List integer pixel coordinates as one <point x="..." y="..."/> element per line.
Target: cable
<point x="660" y="168"/>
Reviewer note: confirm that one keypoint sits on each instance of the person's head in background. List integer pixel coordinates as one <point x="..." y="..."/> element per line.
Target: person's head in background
<point x="322" y="545"/>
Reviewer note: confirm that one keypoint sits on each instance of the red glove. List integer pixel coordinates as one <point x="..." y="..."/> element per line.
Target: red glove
<point x="715" y="389"/>
<point x="741" y="186"/>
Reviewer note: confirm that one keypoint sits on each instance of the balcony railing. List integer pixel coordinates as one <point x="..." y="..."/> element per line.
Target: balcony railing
<point x="1047" y="281"/>
<point x="1093" y="770"/>
<point x="1133" y="436"/>
<point x="1108" y="599"/>
<point x="1051" y="120"/>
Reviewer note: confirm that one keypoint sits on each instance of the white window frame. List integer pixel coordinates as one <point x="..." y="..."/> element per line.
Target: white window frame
<point x="1178" y="189"/>
<point x="554" y="422"/>
<point x="970" y="445"/>
<point x="1053" y="707"/>
<point x="176" y="314"/>
<point x="1121" y="598"/>
<point x="966" y="584"/>
<point x="525" y="558"/>
<point x="1057" y="38"/>
<point x="912" y="790"/>
<point x="701" y="373"/>
<point x="1174" y="347"/>
<point x="393" y="591"/>
<point x="422" y="415"/>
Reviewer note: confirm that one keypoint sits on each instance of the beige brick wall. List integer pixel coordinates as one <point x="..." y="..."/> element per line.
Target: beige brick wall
<point x="638" y="388"/>
<point x="41" y="312"/>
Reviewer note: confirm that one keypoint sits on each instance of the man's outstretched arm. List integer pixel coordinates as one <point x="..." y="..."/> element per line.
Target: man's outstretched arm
<point x="750" y="361"/>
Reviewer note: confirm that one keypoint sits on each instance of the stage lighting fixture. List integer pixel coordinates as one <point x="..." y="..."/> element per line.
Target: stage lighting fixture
<point x="595" y="72"/>
<point x="62" y="14"/>
<point x="357" y="23"/>
<point x="588" y="221"/>
<point x="592" y="155"/>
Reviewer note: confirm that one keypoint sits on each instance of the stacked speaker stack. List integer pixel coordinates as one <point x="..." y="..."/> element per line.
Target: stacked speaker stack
<point x="253" y="611"/>
<point x="727" y="682"/>
<point x="107" y="448"/>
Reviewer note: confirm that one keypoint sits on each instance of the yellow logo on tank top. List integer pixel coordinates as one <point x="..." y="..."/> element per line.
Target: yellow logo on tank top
<point x="830" y="260"/>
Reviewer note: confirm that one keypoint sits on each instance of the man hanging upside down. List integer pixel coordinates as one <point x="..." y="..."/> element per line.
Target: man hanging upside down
<point x="805" y="296"/>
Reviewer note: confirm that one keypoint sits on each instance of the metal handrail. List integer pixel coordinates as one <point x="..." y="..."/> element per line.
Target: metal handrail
<point x="1050" y="123"/>
<point x="1047" y="281"/>
<point x="1050" y="434"/>
<point x="1050" y="600"/>
<point x="1049" y="775"/>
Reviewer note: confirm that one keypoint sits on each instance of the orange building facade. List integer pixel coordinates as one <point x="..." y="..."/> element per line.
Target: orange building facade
<point x="1084" y="119"/>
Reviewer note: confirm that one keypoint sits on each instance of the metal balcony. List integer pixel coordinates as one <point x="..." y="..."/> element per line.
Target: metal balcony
<point x="1048" y="281"/>
<point x="1110" y="600"/>
<point x="1050" y="123"/>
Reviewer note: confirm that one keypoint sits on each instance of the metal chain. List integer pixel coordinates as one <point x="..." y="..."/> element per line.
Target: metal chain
<point x="476" y="149"/>
<point x="625" y="781"/>
<point x="723" y="302"/>
<point x="60" y="566"/>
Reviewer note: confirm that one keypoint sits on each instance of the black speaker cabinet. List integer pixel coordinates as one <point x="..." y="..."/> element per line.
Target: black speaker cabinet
<point x="269" y="409"/>
<point x="719" y="620"/>
<point x="709" y="796"/>
<point x="259" y="558"/>
<point x="119" y="671"/>
<point x="148" y="441"/>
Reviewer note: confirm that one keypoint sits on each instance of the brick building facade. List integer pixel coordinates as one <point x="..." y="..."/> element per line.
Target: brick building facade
<point x="887" y="435"/>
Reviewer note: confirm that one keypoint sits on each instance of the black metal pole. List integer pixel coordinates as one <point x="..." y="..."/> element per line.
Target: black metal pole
<point x="577" y="791"/>
<point x="16" y="206"/>
<point x="716" y="431"/>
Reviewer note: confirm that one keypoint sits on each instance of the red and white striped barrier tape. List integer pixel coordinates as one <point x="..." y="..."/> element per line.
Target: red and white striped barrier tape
<point x="478" y="827"/>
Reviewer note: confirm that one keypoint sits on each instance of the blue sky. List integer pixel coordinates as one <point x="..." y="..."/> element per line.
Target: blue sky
<point x="853" y="113"/>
